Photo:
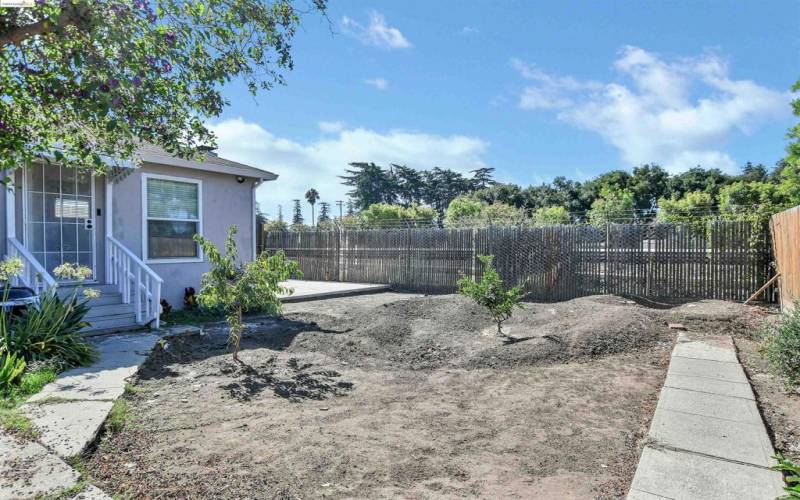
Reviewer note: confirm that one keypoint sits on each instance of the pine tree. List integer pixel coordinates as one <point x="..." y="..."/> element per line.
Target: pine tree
<point x="280" y="213"/>
<point x="324" y="211"/>
<point x="297" y="217"/>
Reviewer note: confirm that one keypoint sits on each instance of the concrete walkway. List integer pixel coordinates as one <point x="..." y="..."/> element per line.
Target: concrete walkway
<point x="707" y="439"/>
<point x="314" y="290"/>
<point x="68" y="413"/>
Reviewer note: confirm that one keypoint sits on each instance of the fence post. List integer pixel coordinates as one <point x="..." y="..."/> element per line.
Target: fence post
<point x="474" y="254"/>
<point x="606" y="263"/>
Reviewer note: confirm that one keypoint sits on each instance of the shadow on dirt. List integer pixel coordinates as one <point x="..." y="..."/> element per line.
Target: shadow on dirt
<point x="294" y="381"/>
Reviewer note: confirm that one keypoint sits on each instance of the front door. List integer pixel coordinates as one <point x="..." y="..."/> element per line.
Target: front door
<point x="59" y="228"/>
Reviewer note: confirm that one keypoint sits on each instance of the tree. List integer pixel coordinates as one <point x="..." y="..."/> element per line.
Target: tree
<point x="490" y="293"/>
<point x="793" y="148"/>
<point x="312" y="195"/>
<point x="350" y="207"/>
<point x="754" y="173"/>
<point x="442" y="186"/>
<point x="85" y="80"/>
<point x="697" y="179"/>
<point x="648" y="184"/>
<point x="237" y="288"/>
<point x="297" y="215"/>
<point x="549" y="216"/>
<point x="481" y="178"/>
<point x="324" y="211"/>
<point x="371" y="184"/>
<point x="510" y="194"/>
<point x="409" y="185"/>
<point x="613" y="205"/>
<point x="462" y="211"/>
<point x="280" y="213"/>
<point x="384" y="215"/>
<point x="692" y="207"/>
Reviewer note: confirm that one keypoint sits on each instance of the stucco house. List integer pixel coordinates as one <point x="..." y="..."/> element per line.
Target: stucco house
<point x="133" y="227"/>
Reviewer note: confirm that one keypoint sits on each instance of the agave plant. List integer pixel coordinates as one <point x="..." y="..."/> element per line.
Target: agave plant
<point x="50" y="331"/>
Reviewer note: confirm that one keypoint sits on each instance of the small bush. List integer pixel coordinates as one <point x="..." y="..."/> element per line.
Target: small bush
<point x="781" y="346"/>
<point x="490" y="293"/>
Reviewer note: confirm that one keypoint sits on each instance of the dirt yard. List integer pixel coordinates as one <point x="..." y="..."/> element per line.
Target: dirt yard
<point x="390" y="395"/>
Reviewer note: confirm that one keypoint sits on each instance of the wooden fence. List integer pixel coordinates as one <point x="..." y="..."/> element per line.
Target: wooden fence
<point x="785" y="229"/>
<point x="719" y="260"/>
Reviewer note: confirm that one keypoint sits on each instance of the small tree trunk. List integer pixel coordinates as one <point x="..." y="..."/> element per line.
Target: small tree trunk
<point x="236" y="333"/>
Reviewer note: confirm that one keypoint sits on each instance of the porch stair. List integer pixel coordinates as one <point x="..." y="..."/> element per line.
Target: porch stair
<point x="108" y="312"/>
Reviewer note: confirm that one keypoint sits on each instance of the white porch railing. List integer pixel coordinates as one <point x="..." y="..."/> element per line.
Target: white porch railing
<point x="134" y="279"/>
<point x="34" y="275"/>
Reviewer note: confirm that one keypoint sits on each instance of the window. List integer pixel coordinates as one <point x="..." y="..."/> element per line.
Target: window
<point x="172" y="218"/>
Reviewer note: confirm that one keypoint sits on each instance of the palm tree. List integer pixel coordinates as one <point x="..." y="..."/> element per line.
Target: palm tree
<point x="312" y="195"/>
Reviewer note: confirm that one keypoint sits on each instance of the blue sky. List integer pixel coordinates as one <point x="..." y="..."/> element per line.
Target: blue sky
<point x="533" y="89"/>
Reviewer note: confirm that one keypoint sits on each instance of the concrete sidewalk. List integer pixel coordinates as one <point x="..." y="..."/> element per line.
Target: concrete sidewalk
<point x="707" y="439"/>
<point x="68" y="413"/>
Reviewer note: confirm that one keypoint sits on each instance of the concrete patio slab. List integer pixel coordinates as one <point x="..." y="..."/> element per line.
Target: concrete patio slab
<point x="720" y="370"/>
<point x="29" y="470"/>
<point x="67" y="428"/>
<point x="709" y="385"/>
<point x="709" y="405"/>
<point x="678" y="475"/>
<point x="315" y="290"/>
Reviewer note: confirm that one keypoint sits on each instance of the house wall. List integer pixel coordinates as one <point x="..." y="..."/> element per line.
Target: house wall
<point x="224" y="202"/>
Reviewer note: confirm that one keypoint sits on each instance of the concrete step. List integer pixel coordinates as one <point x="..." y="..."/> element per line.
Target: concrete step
<point x="102" y="310"/>
<point x="118" y="321"/>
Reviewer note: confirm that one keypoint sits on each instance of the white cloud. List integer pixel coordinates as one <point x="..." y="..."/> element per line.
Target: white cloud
<point x="319" y="163"/>
<point x="468" y="30"/>
<point x="378" y="83"/>
<point x="679" y="113"/>
<point x="330" y="127"/>
<point x="376" y="33"/>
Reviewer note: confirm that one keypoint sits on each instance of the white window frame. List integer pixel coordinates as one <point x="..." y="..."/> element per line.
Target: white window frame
<point x="145" y="218"/>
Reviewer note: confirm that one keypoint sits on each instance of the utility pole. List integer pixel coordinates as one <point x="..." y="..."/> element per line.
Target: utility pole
<point x="340" y="204"/>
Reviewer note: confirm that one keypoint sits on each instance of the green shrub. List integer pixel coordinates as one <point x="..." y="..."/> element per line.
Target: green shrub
<point x="49" y="331"/>
<point x="491" y="294"/>
<point x="11" y="367"/>
<point x="781" y="346"/>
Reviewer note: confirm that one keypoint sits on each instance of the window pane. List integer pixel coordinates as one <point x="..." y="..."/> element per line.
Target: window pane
<point x="35" y="206"/>
<point x="36" y="178"/>
<point x="169" y="239"/>
<point x="35" y="237"/>
<point x="172" y="199"/>
<point x="52" y="179"/>
<point x="84" y="238"/>
<point x="68" y="180"/>
<point x="84" y="183"/>
<point x="85" y="259"/>
<point x="70" y="237"/>
<point x="52" y="237"/>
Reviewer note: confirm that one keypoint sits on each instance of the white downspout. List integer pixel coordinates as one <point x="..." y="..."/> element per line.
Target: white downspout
<point x="11" y="207"/>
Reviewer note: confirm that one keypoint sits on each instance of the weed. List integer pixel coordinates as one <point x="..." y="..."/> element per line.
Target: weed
<point x="118" y="417"/>
<point x="791" y="476"/>
<point x="14" y="422"/>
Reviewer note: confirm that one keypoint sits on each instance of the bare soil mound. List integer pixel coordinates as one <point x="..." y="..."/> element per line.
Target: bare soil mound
<point x="450" y="330"/>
